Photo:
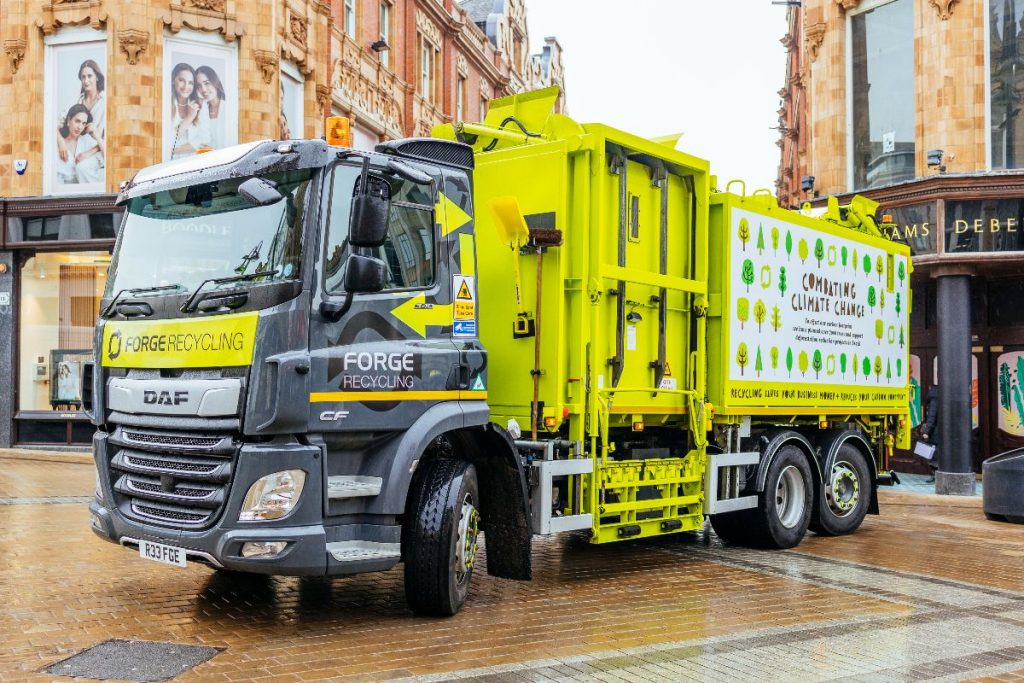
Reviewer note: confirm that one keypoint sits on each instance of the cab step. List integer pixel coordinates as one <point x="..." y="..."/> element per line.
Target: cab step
<point x="352" y="486"/>
<point x="357" y="551"/>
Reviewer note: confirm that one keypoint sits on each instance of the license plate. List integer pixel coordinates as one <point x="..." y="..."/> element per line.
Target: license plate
<point x="158" y="552"/>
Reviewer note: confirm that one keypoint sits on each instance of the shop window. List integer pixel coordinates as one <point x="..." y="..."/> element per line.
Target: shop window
<point x="920" y="294"/>
<point x="914" y="226"/>
<point x="68" y="227"/>
<point x="883" y="104"/>
<point x="1004" y="299"/>
<point x="58" y="306"/>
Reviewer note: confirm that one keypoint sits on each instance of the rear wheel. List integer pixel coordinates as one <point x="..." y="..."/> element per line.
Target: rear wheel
<point x="441" y="534"/>
<point x="784" y="508"/>
<point x="845" y="494"/>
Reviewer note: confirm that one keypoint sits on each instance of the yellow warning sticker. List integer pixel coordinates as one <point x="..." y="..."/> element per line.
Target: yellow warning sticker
<point x="214" y="342"/>
<point x="464" y="297"/>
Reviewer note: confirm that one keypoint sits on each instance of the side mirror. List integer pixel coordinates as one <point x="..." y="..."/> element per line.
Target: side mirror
<point x="369" y="226"/>
<point x="260" y="192"/>
<point x="365" y="274"/>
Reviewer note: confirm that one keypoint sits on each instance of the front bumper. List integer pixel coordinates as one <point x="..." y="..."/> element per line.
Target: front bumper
<point x="312" y="546"/>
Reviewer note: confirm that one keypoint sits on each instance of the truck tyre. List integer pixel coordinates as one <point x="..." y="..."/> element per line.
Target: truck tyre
<point x="441" y="529"/>
<point x="845" y="494"/>
<point x="732" y="527"/>
<point x="784" y="508"/>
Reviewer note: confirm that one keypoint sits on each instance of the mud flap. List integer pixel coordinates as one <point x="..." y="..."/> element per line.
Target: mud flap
<point x="504" y="502"/>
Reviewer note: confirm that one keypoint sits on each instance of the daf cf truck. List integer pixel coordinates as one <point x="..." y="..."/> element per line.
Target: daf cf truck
<point x="315" y="360"/>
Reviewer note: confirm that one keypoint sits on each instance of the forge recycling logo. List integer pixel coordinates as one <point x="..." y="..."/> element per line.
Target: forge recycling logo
<point x="114" y="345"/>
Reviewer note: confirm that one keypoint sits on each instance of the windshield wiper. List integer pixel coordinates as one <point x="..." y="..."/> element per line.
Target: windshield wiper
<point x="193" y="301"/>
<point x="133" y="292"/>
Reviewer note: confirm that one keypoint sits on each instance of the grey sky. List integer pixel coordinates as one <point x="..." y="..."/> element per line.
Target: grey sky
<point x="710" y="69"/>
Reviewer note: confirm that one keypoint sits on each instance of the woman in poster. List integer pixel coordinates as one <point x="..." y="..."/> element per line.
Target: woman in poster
<point x="188" y="127"/>
<point x="83" y="159"/>
<point x="92" y="98"/>
<point x="212" y="96"/>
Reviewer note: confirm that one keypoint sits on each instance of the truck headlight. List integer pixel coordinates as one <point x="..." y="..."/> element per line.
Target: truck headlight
<point x="273" y="496"/>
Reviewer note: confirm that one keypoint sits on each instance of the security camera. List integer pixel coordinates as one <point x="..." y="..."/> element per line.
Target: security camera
<point x="20" y="166"/>
<point x="807" y="183"/>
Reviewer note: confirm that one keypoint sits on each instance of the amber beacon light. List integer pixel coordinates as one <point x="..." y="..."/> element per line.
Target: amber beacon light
<point x="339" y="131"/>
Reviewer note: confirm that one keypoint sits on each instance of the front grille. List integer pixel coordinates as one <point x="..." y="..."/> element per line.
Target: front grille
<point x="172" y="439"/>
<point x="172" y="479"/>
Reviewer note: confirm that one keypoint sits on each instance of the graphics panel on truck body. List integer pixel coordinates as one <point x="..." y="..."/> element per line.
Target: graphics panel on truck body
<point x="814" y="316"/>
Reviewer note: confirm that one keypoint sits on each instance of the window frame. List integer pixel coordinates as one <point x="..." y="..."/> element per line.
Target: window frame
<point x="387" y="291"/>
<point x="864" y="6"/>
<point x="350" y="15"/>
<point x="427" y="76"/>
<point x="384" y="31"/>
<point x="460" y="97"/>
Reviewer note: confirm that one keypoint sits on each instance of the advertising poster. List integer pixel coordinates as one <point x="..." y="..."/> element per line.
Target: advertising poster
<point x="814" y="318"/>
<point x="200" y="96"/>
<point x="75" y="109"/>
<point x="291" y="103"/>
<point x="1011" y="392"/>
<point x="917" y="395"/>
<point x="975" y="415"/>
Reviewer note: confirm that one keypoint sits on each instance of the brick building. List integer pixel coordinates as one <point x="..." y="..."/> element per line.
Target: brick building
<point x="916" y="103"/>
<point x="91" y="92"/>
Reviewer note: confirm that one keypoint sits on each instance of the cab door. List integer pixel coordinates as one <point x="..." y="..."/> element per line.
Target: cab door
<point x="389" y="358"/>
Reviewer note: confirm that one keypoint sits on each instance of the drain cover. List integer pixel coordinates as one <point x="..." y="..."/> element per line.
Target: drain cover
<point x="133" y="660"/>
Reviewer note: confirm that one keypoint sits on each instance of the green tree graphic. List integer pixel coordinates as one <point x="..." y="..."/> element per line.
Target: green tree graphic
<point x="802" y="362"/>
<point x="782" y="281"/>
<point x="842" y="361"/>
<point x="759" y="313"/>
<point x="1017" y="400"/>
<point x="843" y="255"/>
<point x="866" y="367"/>
<point x="872" y="300"/>
<point x="789" y="244"/>
<point x="748" y="273"/>
<point x="775" y="241"/>
<point x="819" y="251"/>
<point x="816" y="363"/>
<point x="855" y="366"/>
<point x="879" y="330"/>
<point x="899" y="367"/>
<point x="741" y="357"/>
<point x="878" y="368"/>
<point x="879" y="267"/>
<point x="789" y="360"/>
<point x="1004" y="385"/>
<point x="774" y="355"/>
<point x="802" y="250"/>
<point x="758" y="367"/>
<point x="760" y="239"/>
<point x="901" y="272"/>
<point x="902" y="338"/>
<point x="776" y="319"/>
<point x="888" y="369"/>
<point x="867" y="264"/>
<point x="744" y="233"/>
<point x="881" y="298"/>
<point x="898" y="305"/>
<point x="854" y="262"/>
<point x="742" y="310"/>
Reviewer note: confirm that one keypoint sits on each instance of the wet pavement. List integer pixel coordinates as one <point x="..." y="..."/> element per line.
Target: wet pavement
<point x="929" y="590"/>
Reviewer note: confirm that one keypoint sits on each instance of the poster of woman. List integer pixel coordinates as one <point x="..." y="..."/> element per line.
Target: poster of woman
<point x="76" y="117"/>
<point x="201" y="97"/>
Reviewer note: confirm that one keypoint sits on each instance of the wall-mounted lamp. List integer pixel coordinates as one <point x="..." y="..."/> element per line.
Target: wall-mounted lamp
<point x="379" y="45"/>
<point x="935" y="160"/>
<point x="807" y="183"/>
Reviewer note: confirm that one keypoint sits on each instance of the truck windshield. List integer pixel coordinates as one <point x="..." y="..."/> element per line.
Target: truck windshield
<point x="190" y="234"/>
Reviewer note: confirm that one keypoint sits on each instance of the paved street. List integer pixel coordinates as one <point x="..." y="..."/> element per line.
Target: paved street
<point x="930" y="590"/>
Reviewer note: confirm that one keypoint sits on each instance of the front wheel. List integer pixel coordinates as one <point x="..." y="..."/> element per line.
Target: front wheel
<point x="441" y="534"/>
<point x="784" y="508"/>
<point x="845" y="494"/>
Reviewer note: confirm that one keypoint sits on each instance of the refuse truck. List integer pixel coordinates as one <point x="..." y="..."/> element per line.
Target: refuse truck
<point x="316" y="360"/>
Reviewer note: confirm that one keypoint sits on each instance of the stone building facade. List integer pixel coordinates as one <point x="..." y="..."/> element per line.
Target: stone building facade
<point x="91" y="91"/>
<point x="916" y="103"/>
